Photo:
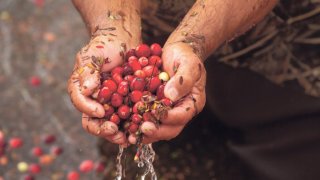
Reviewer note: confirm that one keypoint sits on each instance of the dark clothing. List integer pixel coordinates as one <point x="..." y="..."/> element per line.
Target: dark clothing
<point x="278" y="127"/>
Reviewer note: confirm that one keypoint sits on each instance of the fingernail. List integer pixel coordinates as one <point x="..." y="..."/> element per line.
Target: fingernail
<point x="173" y="94"/>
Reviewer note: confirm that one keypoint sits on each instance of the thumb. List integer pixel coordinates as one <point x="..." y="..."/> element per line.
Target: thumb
<point x="183" y="80"/>
<point x="89" y="74"/>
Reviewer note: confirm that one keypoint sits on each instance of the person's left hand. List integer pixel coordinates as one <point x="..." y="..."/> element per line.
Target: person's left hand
<point x="186" y="88"/>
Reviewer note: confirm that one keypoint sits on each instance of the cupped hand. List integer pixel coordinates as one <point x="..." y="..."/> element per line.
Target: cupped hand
<point x="186" y="88"/>
<point x="101" y="54"/>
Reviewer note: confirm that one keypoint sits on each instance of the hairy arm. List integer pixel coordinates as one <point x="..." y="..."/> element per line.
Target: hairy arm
<point x="209" y="23"/>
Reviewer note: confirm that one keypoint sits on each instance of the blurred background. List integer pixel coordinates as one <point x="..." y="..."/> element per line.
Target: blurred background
<point x="38" y="41"/>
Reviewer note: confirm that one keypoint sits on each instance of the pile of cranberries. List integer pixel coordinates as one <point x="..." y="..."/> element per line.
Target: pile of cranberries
<point x="134" y="92"/>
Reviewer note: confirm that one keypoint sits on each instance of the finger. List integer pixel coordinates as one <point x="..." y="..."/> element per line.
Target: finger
<point x="188" y="106"/>
<point x="118" y="138"/>
<point x="99" y="127"/>
<point x="89" y="73"/>
<point x="183" y="80"/>
<point x="81" y="102"/>
<point x="164" y="132"/>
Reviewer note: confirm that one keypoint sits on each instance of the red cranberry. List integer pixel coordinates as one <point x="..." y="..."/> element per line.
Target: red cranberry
<point x="143" y="61"/>
<point x="140" y="73"/>
<point x="137" y="84"/>
<point x="100" y="167"/>
<point x="86" y="166"/>
<point x="166" y="102"/>
<point x="123" y="88"/>
<point x="116" y="100"/>
<point x="55" y="150"/>
<point x="134" y="64"/>
<point x="73" y="175"/>
<point x="124" y="112"/>
<point x="104" y="94"/>
<point x="109" y="110"/>
<point x="37" y="151"/>
<point x="34" y="168"/>
<point x="135" y="96"/>
<point x="143" y="50"/>
<point x="136" y="118"/>
<point x="15" y="142"/>
<point x="110" y="84"/>
<point x="156" y="49"/>
<point x="35" y="81"/>
<point x="115" y="118"/>
<point x="138" y="107"/>
<point x="133" y="128"/>
<point x="160" y="92"/>
<point x="131" y="52"/>
<point x="155" y="60"/>
<point x="117" y="78"/>
<point x="129" y="78"/>
<point x="154" y="83"/>
<point x="117" y="70"/>
<point x="151" y="70"/>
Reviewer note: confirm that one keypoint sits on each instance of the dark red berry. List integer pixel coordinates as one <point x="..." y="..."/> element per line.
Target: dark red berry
<point x="28" y="177"/>
<point x="143" y="61"/>
<point x="15" y="142"/>
<point x="166" y="102"/>
<point x="129" y="78"/>
<point x="123" y="88"/>
<point x="131" y="52"/>
<point x="110" y="84"/>
<point x="34" y="168"/>
<point x="136" y="118"/>
<point x="138" y="107"/>
<point x="100" y="167"/>
<point x="160" y="92"/>
<point x="115" y="118"/>
<point x="153" y="84"/>
<point x="117" y="78"/>
<point x="56" y="150"/>
<point x="137" y="84"/>
<point x="116" y="100"/>
<point x="140" y="73"/>
<point x="124" y="112"/>
<point x="109" y="110"/>
<point x="135" y="96"/>
<point x="155" y="60"/>
<point x="156" y="49"/>
<point x="143" y="50"/>
<point x="104" y="94"/>
<point x="146" y="93"/>
<point x="73" y="175"/>
<point x="126" y="100"/>
<point x="147" y="116"/>
<point x="127" y="70"/>
<point x="133" y="128"/>
<point x="105" y="76"/>
<point x="48" y="139"/>
<point x="37" y="151"/>
<point x="134" y="64"/>
<point x="117" y="70"/>
<point x="86" y="166"/>
<point x="151" y="70"/>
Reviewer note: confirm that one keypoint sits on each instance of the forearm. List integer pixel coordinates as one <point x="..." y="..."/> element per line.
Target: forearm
<point x="122" y="15"/>
<point x="212" y="22"/>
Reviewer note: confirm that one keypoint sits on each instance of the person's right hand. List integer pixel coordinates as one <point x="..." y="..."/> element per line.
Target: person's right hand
<point x="103" y="53"/>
